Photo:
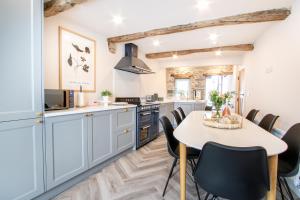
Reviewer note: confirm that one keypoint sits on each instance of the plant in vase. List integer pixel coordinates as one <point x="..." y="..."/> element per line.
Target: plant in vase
<point x="218" y="101"/>
<point x="105" y="95"/>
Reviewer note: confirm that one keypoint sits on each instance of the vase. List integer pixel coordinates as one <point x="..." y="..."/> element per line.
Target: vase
<point x="226" y="111"/>
<point x="105" y="98"/>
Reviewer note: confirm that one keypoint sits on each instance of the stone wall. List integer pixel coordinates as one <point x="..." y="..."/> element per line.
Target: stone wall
<point x="197" y="76"/>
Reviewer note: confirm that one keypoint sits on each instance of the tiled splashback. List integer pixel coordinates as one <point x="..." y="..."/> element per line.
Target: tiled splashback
<point x="197" y="76"/>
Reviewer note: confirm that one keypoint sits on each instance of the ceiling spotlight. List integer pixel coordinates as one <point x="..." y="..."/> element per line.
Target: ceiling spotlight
<point x="156" y="43"/>
<point x="218" y="53"/>
<point x="213" y="37"/>
<point x="203" y="4"/>
<point x="174" y="56"/>
<point x="118" y="20"/>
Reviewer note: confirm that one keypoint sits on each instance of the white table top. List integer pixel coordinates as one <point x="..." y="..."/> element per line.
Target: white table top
<point x="193" y="133"/>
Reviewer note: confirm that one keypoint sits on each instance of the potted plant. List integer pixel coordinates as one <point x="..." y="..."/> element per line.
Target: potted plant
<point x="218" y="101"/>
<point x="105" y="95"/>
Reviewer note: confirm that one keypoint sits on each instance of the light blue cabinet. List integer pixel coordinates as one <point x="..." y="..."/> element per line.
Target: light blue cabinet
<point x="123" y="118"/>
<point x="100" y="142"/>
<point x="124" y="139"/>
<point x="66" y="148"/>
<point x="187" y="107"/>
<point x="165" y="109"/>
<point x="21" y="59"/>
<point x="21" y="153"/>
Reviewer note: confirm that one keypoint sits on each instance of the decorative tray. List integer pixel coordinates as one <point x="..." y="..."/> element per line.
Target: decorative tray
<point x="229" y="122"/>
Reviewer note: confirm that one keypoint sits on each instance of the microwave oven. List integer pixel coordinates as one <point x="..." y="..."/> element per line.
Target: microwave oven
<point x="58" y="99"/>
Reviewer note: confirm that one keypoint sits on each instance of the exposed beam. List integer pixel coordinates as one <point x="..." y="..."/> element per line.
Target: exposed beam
<point x="254" y="17"/>
<point x="53" y="7"/>
<point x="240" y="47"/>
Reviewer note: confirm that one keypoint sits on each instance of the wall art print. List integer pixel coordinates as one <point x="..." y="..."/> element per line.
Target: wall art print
<point x="77" y="55"/>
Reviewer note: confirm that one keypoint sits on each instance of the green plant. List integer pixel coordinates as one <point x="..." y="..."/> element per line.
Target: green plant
<point x="106" y="93"/>
<point x="217" y="100"/>
<point x="228" y="96"/>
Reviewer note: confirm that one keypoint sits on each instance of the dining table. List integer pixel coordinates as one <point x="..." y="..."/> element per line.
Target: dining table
<point x="193" y="133"/>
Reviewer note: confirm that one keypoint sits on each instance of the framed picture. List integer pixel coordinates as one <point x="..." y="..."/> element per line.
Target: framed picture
<point x="77" y="61"/>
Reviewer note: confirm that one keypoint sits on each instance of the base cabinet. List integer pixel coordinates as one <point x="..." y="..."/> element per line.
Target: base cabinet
<point x="66" y="148"/>
<point x="100" y="142"/>
<point x="76" y="143"/>
<point x="165" y="109"/>
<point x="21" y="153"/>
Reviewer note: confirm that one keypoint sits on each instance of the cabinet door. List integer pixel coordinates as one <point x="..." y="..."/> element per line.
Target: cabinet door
<point x="100" y="146"/>
<point x="21" y="59"/>
<point x="124" y="118"/>
<point x="199" y="106"/>
<point x="21" y="155"/>
<point x="66" y="148"/>
<point x="124" y="139"/>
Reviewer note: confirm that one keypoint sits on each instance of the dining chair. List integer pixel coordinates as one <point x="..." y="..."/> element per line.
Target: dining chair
<point x="288" y="161"/>
<point x="177" y="117"/>
<point x="252" y="114"/>
<point x="268" y="122"/>
<point x="233" y="172"/>
<point x="183" y="116"/>
<point x="208" y="108"/>
<point x="173" y="149"/>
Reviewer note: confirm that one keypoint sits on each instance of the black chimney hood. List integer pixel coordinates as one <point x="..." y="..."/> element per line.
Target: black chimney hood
<point x="131" y="63"/>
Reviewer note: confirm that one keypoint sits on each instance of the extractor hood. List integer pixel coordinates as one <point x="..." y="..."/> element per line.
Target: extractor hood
<point x="131" y="63"/>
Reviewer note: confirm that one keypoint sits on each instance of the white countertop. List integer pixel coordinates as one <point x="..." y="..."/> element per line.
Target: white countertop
<point x="86" y="109"/>
<point x="193" y="133"/>
<point x="181" y="101"/>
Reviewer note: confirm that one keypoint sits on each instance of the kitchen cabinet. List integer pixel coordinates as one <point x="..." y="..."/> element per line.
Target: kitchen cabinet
<point x="66" y="148"/>
<point x="78" y="142"/>
<point x="100" y="137"/>
<point x="21" y="153"/>
<point x="21" y="59"/>
<point x="165" y="109"/>
<point x="199" y="106"/>
<point x="124" y="128"/>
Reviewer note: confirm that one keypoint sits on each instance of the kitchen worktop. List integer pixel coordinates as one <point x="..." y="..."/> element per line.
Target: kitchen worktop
<point x="181" y="101"/>
<point x="85" y="110"/>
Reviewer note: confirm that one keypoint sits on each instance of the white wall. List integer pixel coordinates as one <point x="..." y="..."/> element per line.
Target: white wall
<point x="121" y="83"/>
<point x="272" y="71"/>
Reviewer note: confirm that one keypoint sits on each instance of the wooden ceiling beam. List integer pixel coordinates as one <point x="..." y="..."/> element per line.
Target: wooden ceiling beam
<point x="166" y="54"/>
<point x="53" y="7"/>
<point x="254" y="17"/>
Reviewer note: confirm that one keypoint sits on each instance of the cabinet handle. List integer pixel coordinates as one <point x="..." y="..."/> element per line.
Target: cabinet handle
<point x="145" y="127"/>
<point x="88" y="114"/>
<point x="126" y="110"/>
<point x="126" y="131"/>
<point x="39" y="114"/>
<point x="39" y="121"/>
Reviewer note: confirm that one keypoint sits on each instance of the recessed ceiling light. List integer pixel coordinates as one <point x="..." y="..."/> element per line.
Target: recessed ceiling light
<point x="156" y="43"/>
<point x="213" y="37"/>
<point x="218" y="53"/>
<point x="203" y="4"/>
<point x="117" y="19"/>
<point x="174" y="56"/>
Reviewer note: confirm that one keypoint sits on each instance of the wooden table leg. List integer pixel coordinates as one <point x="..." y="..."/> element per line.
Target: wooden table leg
<point x="182" y="160"/>
<point x="273" y="162"/>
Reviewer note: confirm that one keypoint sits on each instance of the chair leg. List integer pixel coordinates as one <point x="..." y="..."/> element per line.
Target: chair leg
<point x="288" y="189"/>
<point x="206" y="197"/>
<point x="280" y="187"/>
<point x="170" y="174"/>
<point x="197" y="189"/>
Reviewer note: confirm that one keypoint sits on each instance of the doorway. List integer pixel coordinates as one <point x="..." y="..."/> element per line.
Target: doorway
<point x="240" y="97"/>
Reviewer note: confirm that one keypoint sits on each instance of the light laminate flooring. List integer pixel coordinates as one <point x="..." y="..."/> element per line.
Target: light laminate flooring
<point x="139" y="175"/>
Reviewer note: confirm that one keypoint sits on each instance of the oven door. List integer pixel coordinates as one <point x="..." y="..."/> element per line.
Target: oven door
<point x="144" y="134"/>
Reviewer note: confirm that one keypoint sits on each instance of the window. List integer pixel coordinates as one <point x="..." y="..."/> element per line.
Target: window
<point x="182" y="87"/>
<point x="221" y="83"/>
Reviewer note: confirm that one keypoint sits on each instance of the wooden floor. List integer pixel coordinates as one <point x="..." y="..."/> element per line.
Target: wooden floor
<point x="140" y="175"/>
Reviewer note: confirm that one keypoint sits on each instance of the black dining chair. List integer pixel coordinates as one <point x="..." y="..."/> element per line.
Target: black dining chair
<point x="208" y="108"/>
<point x="177" y="117"/>
<point x="173" y="149"/>
<point x="288" y="161"/>
<point x="252" y="114"/>
<point x="233" y="172"/>
<point x="268" y="122"/>
<point x="183" y="116"/>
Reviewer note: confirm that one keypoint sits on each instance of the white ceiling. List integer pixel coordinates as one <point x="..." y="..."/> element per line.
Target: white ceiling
<point x="143" y="15"/>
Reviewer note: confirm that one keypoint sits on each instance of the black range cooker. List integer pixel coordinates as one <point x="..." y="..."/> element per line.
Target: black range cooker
<point x="147" y="119"/>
